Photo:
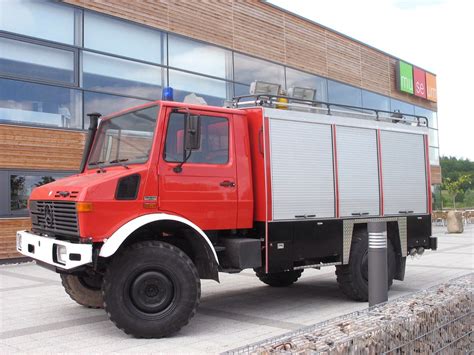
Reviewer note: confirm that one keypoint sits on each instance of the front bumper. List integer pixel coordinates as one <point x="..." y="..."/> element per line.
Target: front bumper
<point x="58" y="253"/>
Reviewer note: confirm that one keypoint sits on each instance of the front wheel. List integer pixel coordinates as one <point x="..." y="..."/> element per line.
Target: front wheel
<point x="151" y="289"/>
<point x="84" y="289"/>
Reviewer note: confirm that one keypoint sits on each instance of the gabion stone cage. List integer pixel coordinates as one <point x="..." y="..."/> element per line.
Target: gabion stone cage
<point x="436" y="320"/>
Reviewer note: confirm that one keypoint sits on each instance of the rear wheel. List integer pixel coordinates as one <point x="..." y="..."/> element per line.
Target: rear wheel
<point x="84" y="289"/>
<point x="280" y="279"/>
<point x="151" y="289"/>
<point x="353" y="278"/>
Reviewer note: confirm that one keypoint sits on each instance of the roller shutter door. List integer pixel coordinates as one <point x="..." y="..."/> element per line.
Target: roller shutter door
<point x="404" y="172"/>
<point x="302" y="169"/>
<point x="358" y="172"/>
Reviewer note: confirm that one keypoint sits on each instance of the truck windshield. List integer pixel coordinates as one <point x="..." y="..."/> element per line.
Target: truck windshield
<point x="126" y="138"/>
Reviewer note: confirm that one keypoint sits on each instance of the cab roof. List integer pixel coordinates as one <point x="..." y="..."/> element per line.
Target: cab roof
<point x="163" y="103"/>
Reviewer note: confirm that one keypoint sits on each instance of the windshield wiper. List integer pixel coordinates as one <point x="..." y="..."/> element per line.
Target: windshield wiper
<point x="98" y="163"/>
<point x="120" y="162"/>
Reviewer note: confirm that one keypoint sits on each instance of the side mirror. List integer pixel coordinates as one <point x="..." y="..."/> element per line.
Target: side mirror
<point x="192" y="138"/>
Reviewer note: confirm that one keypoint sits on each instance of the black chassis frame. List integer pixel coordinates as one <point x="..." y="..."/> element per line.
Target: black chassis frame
<point x="308" y="243"/>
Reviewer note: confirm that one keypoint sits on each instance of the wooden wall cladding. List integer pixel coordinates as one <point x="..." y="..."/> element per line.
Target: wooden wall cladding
<point x="436" y="174"/>
<point x="343" y="59"/>
<point x="8" y="229"/>
<point x="305" y="47"/>
<point x="259" y="29"/>
<point x="151" y="13"/>
<point x="41" y="149"/>
<point x="209" y="20"/>
<point x="375" y="69"/>
<point x="34" y="148"/>
<point x="256" y="30"/>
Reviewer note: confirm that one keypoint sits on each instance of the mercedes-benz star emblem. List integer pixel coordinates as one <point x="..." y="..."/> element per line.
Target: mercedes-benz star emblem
<point x="48" y="216"/>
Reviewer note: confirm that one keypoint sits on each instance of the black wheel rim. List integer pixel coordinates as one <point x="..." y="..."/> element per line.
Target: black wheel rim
<point x="92" y="282"/>
<point x="364" y="266"/>
<point x="151" y="292"/>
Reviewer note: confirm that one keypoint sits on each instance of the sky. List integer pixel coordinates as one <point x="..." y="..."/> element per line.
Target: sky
<point x="436" y="35"/>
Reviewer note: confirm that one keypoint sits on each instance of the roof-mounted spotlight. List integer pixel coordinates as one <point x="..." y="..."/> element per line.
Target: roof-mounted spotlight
<point x="264" y="88"/>
<point x="299" y="93"/>
<point x="397" y="115"/>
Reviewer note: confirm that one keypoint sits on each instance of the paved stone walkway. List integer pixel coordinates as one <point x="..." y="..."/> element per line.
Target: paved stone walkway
<point x="36" y="315"/>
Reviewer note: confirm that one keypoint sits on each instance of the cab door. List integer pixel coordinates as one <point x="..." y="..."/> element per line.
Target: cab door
<point x="204" y="190"/>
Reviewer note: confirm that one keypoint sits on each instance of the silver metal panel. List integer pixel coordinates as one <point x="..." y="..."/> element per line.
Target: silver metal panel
<point x="316" y="266"/>
<point x="402" y="230"/>
<point x="357" y="171"/>
<point x="302" y="169"/>
<point x="340" y="120"/>
<point x="404" y="172"/>
<point x="348" y="227"/>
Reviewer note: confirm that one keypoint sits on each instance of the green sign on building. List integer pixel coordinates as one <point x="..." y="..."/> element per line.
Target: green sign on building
<point x="405" y="77"/>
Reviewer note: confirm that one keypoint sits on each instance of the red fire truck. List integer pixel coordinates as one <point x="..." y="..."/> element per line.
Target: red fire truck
<point x="170" y="193"/>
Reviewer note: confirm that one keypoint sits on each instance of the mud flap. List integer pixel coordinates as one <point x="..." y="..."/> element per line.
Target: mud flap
<point x="400" y="272"/>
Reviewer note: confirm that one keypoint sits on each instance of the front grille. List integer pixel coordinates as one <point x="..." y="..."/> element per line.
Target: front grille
<point x="57" y="217"/>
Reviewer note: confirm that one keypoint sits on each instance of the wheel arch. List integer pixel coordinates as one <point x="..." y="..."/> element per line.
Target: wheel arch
<point x="395" y="236"/>
<point x="172" y="229"/>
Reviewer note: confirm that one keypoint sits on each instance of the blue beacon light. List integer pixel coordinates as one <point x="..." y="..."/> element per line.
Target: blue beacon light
<point x="167" y="94"/>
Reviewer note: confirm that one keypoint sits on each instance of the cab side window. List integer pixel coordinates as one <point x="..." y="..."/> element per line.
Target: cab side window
<point x="214" y="144"/>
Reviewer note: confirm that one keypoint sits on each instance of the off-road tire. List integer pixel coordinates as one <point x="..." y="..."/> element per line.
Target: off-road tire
<point x="85" y="290"/>
<point x="151" y="289"/>
<point x="352" y="280"/>
<point x="280" y="279"/>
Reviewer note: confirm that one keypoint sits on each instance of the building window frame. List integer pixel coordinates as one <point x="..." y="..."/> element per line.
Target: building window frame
<point x="107" y="22"/>
<point x="78" y="98"/>
<point x="78" y="46"/>
<point x="72" y="49"/>
<point x="90" y="59"/>
<point x="74" y="19"/>
<point x="5" y="188"/>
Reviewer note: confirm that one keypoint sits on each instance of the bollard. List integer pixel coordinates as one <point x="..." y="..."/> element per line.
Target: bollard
<point x="378" y="273"/>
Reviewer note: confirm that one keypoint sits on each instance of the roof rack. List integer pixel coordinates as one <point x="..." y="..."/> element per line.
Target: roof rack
<point x="279" y="101"/>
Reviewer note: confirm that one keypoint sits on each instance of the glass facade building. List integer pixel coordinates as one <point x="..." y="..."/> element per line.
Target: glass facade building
<point x="61" y="62"/>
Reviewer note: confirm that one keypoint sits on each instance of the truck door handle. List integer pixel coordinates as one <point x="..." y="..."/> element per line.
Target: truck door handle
<point x="360" y="213"/>
<point x="227" y="183"/>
